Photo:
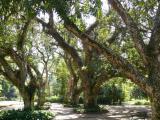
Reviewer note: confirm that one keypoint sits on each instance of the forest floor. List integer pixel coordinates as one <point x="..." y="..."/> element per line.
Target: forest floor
<point x="123" y="112"/>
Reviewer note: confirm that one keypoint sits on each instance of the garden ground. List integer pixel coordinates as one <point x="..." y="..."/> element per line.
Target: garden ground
<point x="123" y="112"/>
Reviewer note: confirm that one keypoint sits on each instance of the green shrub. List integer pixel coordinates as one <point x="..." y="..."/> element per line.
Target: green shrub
<point x="97" y="109"/>
<point x="141" y="102"/>
<point x="54" y="99"/>
<point x="111" y="94"/>
<point x="25" y="115"/>
<point x="3" y="98"/>
<point x="138" y="103"/>
<point x="137" y="93"/>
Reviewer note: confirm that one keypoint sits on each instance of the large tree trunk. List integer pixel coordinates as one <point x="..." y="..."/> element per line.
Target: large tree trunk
<point x="41" y="97"/>
<point x="154" y="82"/>
<point x="28" y="97"/>
<point x="90" y="99"/>
<point x="75" y="97"/>
<point x="155" y="103"/>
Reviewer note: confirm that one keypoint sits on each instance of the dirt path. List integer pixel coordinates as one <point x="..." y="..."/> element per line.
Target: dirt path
<point x="127" y="112"/>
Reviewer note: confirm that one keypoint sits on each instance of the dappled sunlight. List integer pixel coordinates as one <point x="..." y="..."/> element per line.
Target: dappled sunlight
<point x="123" y="112"/>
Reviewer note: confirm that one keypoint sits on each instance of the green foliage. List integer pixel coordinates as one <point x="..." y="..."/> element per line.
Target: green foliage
<point x="25" y="115"/>
<point x="8" y="91"/>
<point x="62" y="75"/>
<point x="137" y="93"/>
<point x="81" y="109"/>
<point x="111" y="94"/>
<point x="139" y="102"/>
<point x="54" y="99"/>
<point x="142" y="103"/>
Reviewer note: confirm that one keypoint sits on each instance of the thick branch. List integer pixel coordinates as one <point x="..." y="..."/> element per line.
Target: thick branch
<point x="117" y="61"/>
<point x="8" y="72"/>
<point x="132" y="27"/>
<point x="106" y="76"/>
<point x="155" y="35"/>
<point x="15" y="57"/>
<point x="22" y="35"/>
<point x="62" y="43"/>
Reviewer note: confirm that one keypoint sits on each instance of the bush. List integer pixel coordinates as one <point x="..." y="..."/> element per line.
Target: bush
<point x="3" y="98"/>
<point x="25" y="115"/>
<point x="54" y="99"/>
<point x="137" y="93"/>
<point x="97" y="109"/>
<point x="141" y="102"/>
<point x="111" y="94"/>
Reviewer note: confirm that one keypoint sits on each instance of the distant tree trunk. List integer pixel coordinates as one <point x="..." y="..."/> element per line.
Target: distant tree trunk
<point x="42" y="88"/>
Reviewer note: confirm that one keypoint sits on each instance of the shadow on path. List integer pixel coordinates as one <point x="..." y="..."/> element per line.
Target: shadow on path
<point x="127" y="112"/>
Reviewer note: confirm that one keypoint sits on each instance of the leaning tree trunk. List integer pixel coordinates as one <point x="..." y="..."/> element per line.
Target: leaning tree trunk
<point x="28" y="95"/>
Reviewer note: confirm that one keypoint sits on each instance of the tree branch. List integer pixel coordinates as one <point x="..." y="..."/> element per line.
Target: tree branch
<point x="22" y="35"/>
<point x="155" y="35"/>
<point x="117" y="61"/>
<point x="62" y="43"/>
<point x="132" y="27"/>
<point x="8" y="72"/>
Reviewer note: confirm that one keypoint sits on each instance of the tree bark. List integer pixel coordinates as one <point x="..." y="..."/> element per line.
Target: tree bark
<point x="28" y="97"/>
<point x="90" y="98"/>
<point x="155" y="103"/>
<point x="90" y="102"/>
<point x="75" y="99"/>
<point x="75" y="96"/>
<point x="41" y="97"/>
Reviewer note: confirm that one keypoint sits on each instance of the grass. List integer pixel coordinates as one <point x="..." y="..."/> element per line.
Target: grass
<point x="139" y="102"/>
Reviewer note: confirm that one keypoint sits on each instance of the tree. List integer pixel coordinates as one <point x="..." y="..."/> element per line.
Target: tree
<point x="149" y="53"/>
<point x="90" y="78"/>
<point x="14" y="67"/>
<point x="42" y="54"/>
